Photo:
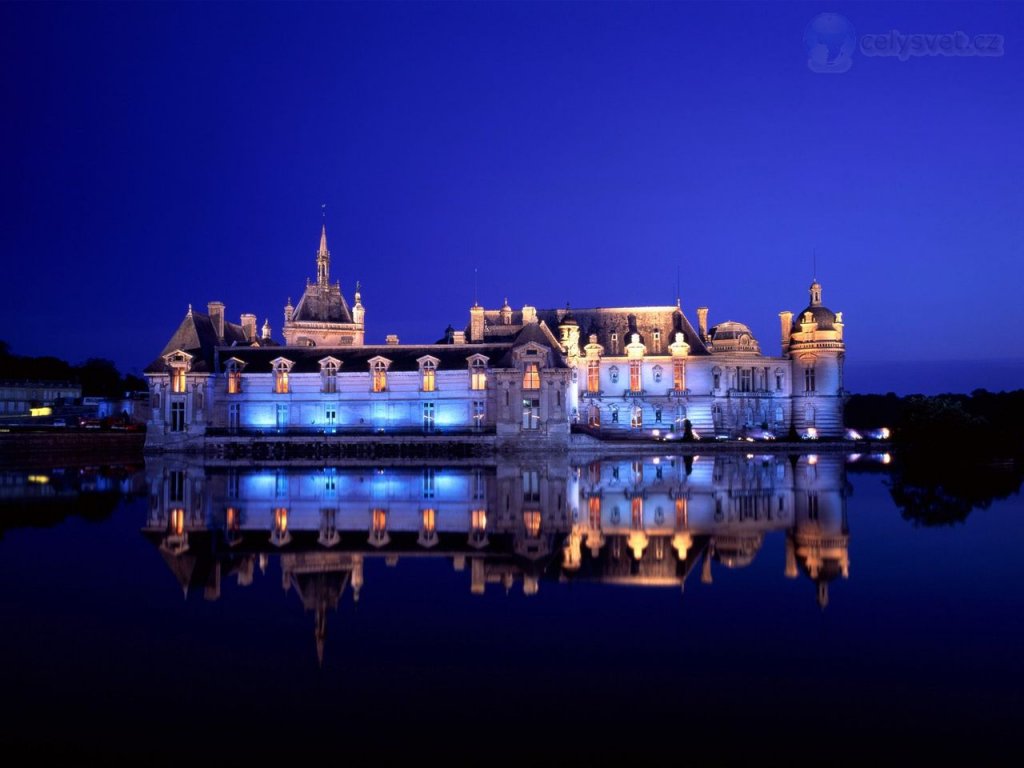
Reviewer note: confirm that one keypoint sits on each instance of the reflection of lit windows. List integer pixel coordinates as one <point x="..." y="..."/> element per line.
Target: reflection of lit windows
<point x="636" y="508"/>
<point x="232" y="519"/>
<point x="638" y="471"/>
<point x="380" y="376"/>
<point x="429" y="373"/>
<point x="478" y="375"/>
<point x="281" y="519"/>
<point x="234" y="415"/>
<point x="176" y="524"/>
<point x="177" y="416"/>
<point x="379" y="527"/>
<point x="594" y="511"/>
<point x="593" y="376"/>
<point x="531" y="521"/>
<point x="531" y="376"/>
<point x="812" y="505"/>
<point x="178" y="380"/>
<point x="531" y="486"/>
<point x="478" y="519"/>
<point x="635" y="376"/>
<point x="429" y="520"/>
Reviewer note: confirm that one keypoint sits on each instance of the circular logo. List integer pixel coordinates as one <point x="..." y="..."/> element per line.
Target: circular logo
<point x="829" y="42"/>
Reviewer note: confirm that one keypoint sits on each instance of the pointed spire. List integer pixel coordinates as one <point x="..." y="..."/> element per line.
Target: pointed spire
<point x="323" y="256"/>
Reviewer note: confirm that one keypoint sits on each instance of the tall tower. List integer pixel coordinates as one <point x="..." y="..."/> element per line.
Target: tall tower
<point x="322" y="317"/>
<point x="816" y="348"/>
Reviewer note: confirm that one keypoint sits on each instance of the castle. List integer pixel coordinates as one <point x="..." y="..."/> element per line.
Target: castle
<point x="511" y="376"/>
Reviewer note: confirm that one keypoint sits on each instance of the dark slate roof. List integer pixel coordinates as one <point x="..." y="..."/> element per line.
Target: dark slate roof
<point x="403" y="357"/>
<point x="823" y="316"/>
<point x="604" y="322"/>
<point x="197" y="336"/>
<point x="322" y="304"/>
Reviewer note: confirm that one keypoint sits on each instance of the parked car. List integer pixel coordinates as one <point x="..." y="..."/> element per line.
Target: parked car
<point x="811" y="433"/>
<point x="882" y="433"/>
<point x="757" y="434"/>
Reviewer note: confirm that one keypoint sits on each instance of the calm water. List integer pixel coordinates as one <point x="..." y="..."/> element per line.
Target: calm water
<point x="726" y="607"/>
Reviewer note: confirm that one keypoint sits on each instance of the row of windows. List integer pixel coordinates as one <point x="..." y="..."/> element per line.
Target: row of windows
<point x="635" y="375"/>
<point x="378" y="373"/>
<point x="478" y="415"/>
<point x="655" y="343"/>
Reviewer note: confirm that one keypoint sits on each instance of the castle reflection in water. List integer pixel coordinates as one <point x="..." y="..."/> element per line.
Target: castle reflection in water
<point x="647" y="521"/>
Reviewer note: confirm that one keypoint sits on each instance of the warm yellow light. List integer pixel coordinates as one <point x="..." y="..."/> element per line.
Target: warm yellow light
<point x="44" y="411"/>
<point x="178" y="381"/>
<point x="886" y="458"/>
<point x="429" y="378"/>
<point x="281" y="519"/>
<point x="531" y="376"/>
<point x="281" y="383"/>
<point x="380" y="520"/>
<point x="478" y="518"/>
<point x="531" y="519"/>
<point x="232" y="519"/>
<point x="593" y="376"/>
<point x="40" y="479"/>
<point x="234" y="383"/>
<point x="812" y="459"/>
<point x="177" y="523"/>
<point x="429" y="520"/>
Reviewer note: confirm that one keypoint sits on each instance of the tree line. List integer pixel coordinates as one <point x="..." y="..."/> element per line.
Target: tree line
<point x="98" y="377"/>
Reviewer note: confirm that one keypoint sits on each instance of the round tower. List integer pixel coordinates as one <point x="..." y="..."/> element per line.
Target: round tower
<point x="816" y="348"/>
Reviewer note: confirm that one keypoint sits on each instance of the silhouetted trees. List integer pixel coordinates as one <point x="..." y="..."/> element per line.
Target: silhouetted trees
<point x="98" y="377"/>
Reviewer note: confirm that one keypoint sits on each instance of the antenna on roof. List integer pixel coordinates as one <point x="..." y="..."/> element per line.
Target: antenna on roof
<point x="476" y="303"/>
<point x="814" y="275"/>
<point x="323" y="212"/>
<point x="679" y="302"/>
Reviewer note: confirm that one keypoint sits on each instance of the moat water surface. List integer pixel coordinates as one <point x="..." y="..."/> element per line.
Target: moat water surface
<point x="728" y="608"/>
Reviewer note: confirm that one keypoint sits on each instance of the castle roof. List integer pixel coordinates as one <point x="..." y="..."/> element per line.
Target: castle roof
<point x="322" y="304"/>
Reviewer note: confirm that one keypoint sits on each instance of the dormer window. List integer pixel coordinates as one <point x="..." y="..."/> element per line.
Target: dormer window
<point x="615" y="343"/>
<point x="380" y="376"/>
<point x="234" y="376"/>
<point x="656" y="341"/>
<point x="478" y="374"/>
<point x="329" y="375"/>
<point x="178" y="381"/>
<point x="282" y="371"/>
<point x="531" y="376"/>
<point x="428" y="374"/>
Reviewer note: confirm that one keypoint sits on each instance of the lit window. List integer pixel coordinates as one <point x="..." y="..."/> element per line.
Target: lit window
<point x="593" y="376"/>
<point x="281" y="369"/>
<point x="429" y="371"/>
<point x="678" y="375"/>
<point x="531" y="376"/>
<point x="429" y="520"/>
<point x="478" y="519"/>
<point x="635" y="376"/>
<point x="234" y="381"/>
<point x="178" y="380"/>
<point x="809" y="383"/>
<point x="478" y="375"/>
<point x="380" y="376"/>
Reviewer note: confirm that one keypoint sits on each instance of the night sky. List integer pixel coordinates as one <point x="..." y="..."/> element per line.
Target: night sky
<point x="157" y="155"/>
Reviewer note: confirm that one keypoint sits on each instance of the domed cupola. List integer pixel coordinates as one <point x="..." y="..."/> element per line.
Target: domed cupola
<point x="819" y="313"/>
<point x="816" y="326"/>
<point x="731" y="336"/>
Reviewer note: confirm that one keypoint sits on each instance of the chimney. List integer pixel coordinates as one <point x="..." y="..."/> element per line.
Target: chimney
<point x="529" y="314"/>
<point x="459" y="337"/>
<point x="216" y="311"/>
<point x="786" y="320"/>
<point x="702" y="321"/>
<point x="476" y="323"/>
<point x="391" y="339"/>
<point x="249" y="327"/>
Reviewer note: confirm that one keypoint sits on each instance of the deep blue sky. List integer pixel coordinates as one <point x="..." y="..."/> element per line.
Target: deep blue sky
<point x="156" y="155"/>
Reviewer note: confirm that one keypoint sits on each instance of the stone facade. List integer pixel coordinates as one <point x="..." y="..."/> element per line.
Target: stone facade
<point x="516" y="375"/>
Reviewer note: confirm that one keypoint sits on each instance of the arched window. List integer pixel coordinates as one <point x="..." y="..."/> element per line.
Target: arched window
<point x="234" y="379"/>
<point x="429" y="373"/>
<point x="380" y="376"/>
<point x="329" y="377"/>
<point x="810" y="385"/>
<point x="778" y="379"/>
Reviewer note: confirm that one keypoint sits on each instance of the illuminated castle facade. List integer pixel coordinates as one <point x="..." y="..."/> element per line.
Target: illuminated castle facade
<point x="528" y="375"/>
